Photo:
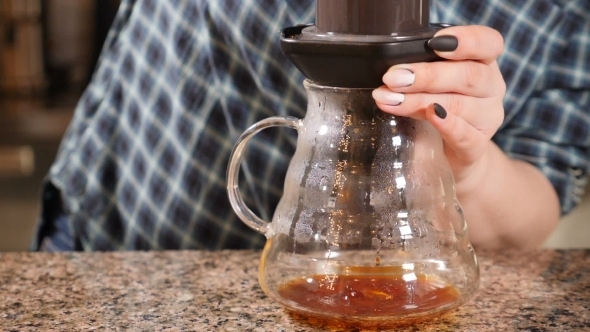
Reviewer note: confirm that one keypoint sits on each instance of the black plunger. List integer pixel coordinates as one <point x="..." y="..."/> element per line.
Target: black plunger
<point x="354" y="42"/>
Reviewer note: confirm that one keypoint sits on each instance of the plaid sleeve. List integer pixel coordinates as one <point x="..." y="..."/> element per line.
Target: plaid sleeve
<point x="551" y="129"/>
<point x="143" y="163"/>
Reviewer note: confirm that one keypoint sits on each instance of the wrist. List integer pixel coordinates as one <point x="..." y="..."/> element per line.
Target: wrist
<point x="471" y="177"/>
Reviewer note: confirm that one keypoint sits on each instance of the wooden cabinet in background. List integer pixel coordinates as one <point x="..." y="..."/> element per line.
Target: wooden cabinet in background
<point x="21" y="46"/>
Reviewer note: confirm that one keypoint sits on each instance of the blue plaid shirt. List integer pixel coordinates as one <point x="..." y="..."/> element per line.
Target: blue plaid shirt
<point x="142" y="165"/>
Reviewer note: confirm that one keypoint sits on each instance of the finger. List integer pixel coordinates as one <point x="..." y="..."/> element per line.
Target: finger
<point x="391" y="102"/>
<point x="485" y="114"/>
<point x="472" y="42"/>
<point x="465" y="141"/>
<point x="471" y="78"/>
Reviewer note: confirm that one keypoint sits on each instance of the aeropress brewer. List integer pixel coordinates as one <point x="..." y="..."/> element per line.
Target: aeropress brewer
<point x="368" y="231"/>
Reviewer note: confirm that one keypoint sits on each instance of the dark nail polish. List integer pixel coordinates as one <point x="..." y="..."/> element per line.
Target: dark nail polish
<point x="444" y="43"/>
<point x="440" y="111"/>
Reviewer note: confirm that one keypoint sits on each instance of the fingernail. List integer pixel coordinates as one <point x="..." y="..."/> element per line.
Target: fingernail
<point x="444" y="43"/>
<point x="440" y="111"/>
<point x="389" y="98"/>
<point x="399" y="77"/>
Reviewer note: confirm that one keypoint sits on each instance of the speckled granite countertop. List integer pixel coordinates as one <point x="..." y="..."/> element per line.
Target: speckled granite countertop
<point x="218" y="291"/>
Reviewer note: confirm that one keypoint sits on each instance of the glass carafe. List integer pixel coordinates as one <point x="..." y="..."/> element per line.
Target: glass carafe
<point x="368" y="228"/>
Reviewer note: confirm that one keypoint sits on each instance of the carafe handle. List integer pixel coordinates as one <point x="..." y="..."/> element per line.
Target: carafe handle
<point x="233" y="169"/>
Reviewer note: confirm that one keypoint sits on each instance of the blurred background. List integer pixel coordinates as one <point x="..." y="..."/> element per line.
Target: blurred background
<point x="48" y="51"/>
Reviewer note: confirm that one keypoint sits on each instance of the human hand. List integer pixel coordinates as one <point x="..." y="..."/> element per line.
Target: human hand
<point x="462" y="98"/>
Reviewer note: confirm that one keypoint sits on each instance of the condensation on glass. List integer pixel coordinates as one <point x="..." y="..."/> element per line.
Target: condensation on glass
<point x="368" y="228"/>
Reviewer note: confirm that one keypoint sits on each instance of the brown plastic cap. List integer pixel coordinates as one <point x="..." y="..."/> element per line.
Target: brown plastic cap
<point x="372" y="17"/>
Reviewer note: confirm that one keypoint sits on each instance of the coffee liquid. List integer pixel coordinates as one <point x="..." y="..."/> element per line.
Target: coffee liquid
<point x="371" y="296"/>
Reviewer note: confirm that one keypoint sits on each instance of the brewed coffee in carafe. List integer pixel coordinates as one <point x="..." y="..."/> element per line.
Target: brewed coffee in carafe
<point x="368" y="229"/>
